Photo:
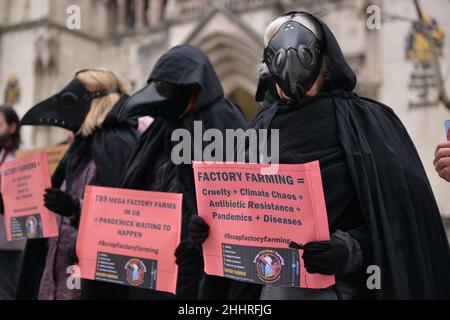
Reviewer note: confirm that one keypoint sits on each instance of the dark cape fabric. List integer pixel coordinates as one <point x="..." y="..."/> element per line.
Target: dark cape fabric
<point x="369" y="165"/>
<point x="151" y="167"/>
<point x="110" y="147"/>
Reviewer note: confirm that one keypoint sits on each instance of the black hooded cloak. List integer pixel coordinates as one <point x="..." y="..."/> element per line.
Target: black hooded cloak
<point x="369" y="166"/>
<point x="110" y="147"/>
<point x="151" y="168"/>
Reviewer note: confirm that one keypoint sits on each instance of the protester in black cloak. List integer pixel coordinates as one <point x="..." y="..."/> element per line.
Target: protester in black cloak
<point x="182" y="88"/>
<point x="381" y="209"/>
<point x="88" y="106"/>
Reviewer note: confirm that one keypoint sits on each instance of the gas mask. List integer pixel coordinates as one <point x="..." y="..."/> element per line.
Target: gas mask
<point x="67" y="109"/>
<point x="294" y="57"/>
<point x="157" y="99"/>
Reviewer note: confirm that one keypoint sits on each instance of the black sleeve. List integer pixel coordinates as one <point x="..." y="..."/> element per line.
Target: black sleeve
<point x="351" y="221"/>
<point x="362" y="235"/>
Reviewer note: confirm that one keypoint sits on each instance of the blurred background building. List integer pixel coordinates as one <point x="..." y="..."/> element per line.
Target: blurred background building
<point x="39" y="52"/>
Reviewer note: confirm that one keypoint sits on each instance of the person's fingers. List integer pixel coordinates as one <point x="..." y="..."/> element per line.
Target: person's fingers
<point x="50" y="196"/>
<point x="180" y="248"/>
<point x="182" y="255"/>
<point x="198" y="221"/>
<point x="324" y="271"/>
<point x="196" y="217"/>
<point x="196" y="226"/>
<point x="198" y="241"/>
<point x="445" y="174"/>
<point x="198" y="229"/>
<point x="295" y="245"/>
<point x="53" y="191"/>
<point x="317" y="246"/>
<point x="442" y="163"/>
<point x="52" y="209"/>
<point x="50" y="206"/>
<point x="312" y="267"/>
<point x="442" y="145"/>
<point x="442" y="152"/>
<point x="49" y="202"/>
<point x="317" y="260"/>
<point x="311" y="271"/>
<point x="200" y="235"/>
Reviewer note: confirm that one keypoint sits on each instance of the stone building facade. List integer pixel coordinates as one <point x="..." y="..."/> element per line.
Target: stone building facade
<point x="39" y="52"/>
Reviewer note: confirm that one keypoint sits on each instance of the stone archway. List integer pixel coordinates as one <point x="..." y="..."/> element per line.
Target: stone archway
<point x="235" y="60"/>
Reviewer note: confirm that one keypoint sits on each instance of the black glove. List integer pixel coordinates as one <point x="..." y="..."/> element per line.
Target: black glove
<point x="2" y="208"/>
<point x="61" y="202"/>
<point x="186" y="251"/>
<point x="198" y="230"/>
<point x="331" y="257"/>
<point x="72" y="257"/>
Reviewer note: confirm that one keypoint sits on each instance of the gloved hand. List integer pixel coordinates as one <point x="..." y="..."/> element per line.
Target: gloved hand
<point x="198" y="230"/>
<point x="331" y="257"/>
<point x="186" y="251"/>
<point x="2" y="208"/>
<point x="72" y="257"/>
<point x="61" y="202"/>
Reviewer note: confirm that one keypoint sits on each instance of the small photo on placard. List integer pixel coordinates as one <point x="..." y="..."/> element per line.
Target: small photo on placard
<point x="26" y="227"/>
<point x="261" y="265"/>
<point x="130" y="271"/>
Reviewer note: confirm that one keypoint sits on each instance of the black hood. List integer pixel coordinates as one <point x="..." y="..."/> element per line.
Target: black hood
<point x="186" y="65"/>
<point x="172" y="82"/>
<point x="341" y="75"/>
<point x="67" y="109"/>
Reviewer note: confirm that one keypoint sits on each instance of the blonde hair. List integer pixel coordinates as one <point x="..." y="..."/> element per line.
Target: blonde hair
<point x="97" y="80"/>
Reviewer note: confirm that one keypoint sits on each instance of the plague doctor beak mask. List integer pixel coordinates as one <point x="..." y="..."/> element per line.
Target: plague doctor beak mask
<point x="158" y="99"/>
<point x="68" y="108"/>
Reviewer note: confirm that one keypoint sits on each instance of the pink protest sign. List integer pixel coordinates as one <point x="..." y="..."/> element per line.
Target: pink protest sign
<point x="23" y="183"/>
<point x="253" y="217"/>
<point x="129" y="237"/>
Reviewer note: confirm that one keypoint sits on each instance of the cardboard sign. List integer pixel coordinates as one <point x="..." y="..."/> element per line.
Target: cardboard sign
<point x="23" y="183"/>
<point x="54" y="155"/>
<point x="254" y="216"/>
<point x="129" y="237"/>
